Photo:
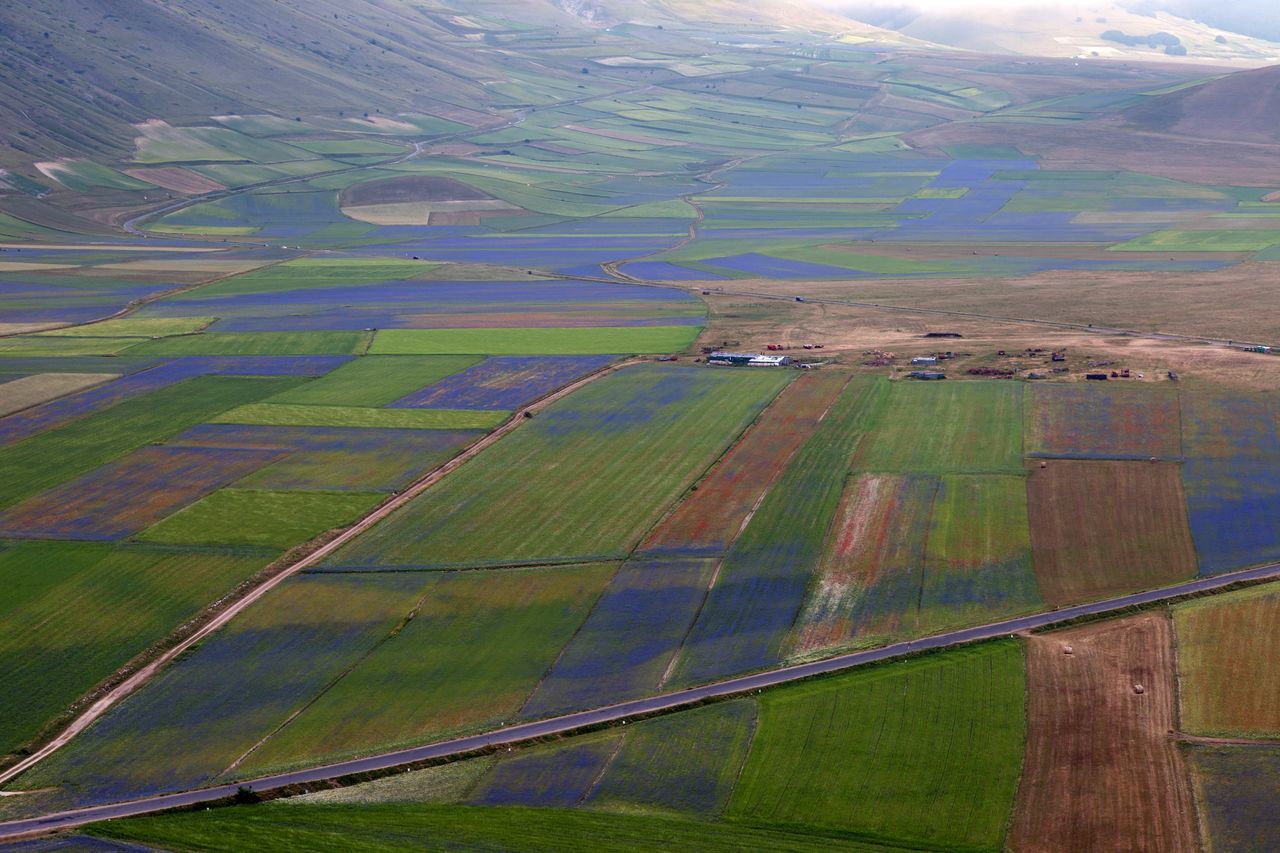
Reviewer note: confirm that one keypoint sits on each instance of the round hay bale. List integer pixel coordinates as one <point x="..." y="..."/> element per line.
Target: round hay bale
<point x="1067" y="650"/>
<point x="1044" y="464"/>
<point x="1139" y="689"/>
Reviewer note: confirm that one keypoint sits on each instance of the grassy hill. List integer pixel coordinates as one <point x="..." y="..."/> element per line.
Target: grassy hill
<point x="1242" y="107"/>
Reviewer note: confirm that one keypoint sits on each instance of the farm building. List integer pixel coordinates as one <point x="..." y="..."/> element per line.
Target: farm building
<point x="926" y="374"/>
<point x="924" y="359"/>
<point x="748" y="359"/>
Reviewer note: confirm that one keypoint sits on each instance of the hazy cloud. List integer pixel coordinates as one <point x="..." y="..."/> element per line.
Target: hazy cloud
<point x="1259" y="18"/>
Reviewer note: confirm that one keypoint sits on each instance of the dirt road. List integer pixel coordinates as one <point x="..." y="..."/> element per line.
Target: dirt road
<point x="146" y="673"/>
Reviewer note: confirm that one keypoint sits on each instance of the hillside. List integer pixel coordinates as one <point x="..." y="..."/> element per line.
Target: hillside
<point x="1241" y="107"/>
<point x="76" y="73"/>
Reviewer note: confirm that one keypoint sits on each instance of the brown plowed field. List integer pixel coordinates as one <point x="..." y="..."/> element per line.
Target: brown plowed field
<point x="1105" y="528"/>
<point x="1100" y="771"/>
<point x="711" y="517"/>
<point x="177" y="179"/>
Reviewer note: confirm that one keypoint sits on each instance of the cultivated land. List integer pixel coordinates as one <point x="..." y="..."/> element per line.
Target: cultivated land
<point x="513" y="503"/>
<point x="1100" y="768"/>
<point x="832" y="755"/>
<point x="1100" y="529"/>
<point x="1226" y="646"/>
<point x="231" y="334"/>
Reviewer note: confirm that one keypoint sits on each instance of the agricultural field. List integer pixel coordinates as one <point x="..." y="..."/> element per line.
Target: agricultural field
<point x="1100" y="768"/>
<point x="708" y="520"/>
<point x="338" y="827"/>
<point x="1226" y="648"/>
<point x="98" y="606"/>
<point x="1236" y="787"/>
<point x="1105" y="528"/>
<point x="278" y="656"/>
<point x="625" y="647"/>
<point x="377" y="381"/>
<point x="569" y="341"/>
<point x="561" y="487"/>
<point x="283" y="414"/>
<point x="761" y="584"/>
<point x="265" y="519"/>
<point x="960" y="428"/>
<point x="32" y="465"/>
<point x="502" y="382"/>
<point x="1230" y="478"/>
<point x="324" y="293"/>
<point x="27" y="391"/>
<point x="1086" y="421"/>
<point x="467" y="656"/>
<point x="359" y="459"/>
<point x="926" y="751"/>
<point x="912" y="554"/>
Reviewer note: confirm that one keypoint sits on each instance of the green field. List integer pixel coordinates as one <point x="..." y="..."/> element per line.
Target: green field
<point x="55" y="456"/>
<point x="927" y="751"/>
<point x="978" y="555"/>
<point x="375" y="380"/>
<point x="274" y="414"/>
<point x="1242" y="240"/>
<point x="165" y="144"/>
<point x="254" y="343"/>
<point x="444" y="783"/>
<point x="74" y="612"/>
<point x="268" y="519"/>
<point x="216" y="702"/>
<point x="39" y="345"/>
<point x="475" y="649"/>
<point x="135" y="327"/>
<point x="586" y="478"/>
<point x="86" y="176"/>
<point x="570" y="341"/>
<point x="684" y="762"/>
<point x="948" y="427"/>
<point x="357" y="829"/>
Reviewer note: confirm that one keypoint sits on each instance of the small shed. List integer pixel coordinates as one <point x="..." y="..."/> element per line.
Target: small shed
<point x="924" y="359"/>
<point x="926" y="374"/>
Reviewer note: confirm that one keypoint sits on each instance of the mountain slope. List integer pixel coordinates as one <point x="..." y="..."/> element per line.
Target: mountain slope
<point x="75" y="73"/>
<point x="1241" y="107"/>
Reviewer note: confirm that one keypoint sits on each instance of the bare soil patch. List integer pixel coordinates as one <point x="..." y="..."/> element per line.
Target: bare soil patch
<point x="1100" y="771"/>
<point x="176" y="178"/>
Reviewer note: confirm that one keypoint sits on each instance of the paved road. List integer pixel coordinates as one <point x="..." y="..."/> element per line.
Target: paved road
<point x="620" y="712"/>
<point x="118" y="693"/>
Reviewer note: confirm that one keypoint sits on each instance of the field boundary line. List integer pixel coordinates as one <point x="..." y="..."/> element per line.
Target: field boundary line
<point x="100" y="706"/>
<point x="582" y="721"/>
<point x="746" y="521"/>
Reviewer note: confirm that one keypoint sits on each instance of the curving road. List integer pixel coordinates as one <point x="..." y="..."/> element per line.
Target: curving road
<point x="620" y="712"/>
